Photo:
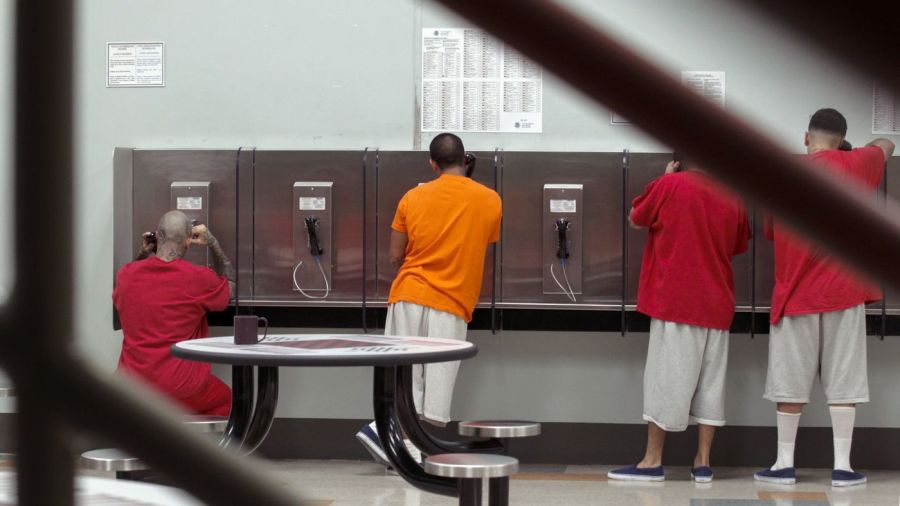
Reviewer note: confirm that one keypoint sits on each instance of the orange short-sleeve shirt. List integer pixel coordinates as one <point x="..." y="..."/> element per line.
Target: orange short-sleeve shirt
<point x="449" y="222"/>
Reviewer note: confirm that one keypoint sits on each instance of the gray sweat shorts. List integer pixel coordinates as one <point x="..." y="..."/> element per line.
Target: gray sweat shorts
<point x="829" y="345"/>
<point x="684" y="380"/>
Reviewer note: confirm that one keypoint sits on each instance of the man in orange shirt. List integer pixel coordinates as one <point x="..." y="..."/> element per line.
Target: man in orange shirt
<point x="439" y="237"/>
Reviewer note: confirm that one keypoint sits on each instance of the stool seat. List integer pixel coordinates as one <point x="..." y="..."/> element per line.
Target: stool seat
<point x="113" y="459"/>
<point x="471" y="465"/>
<point x="110" y="459"/>
<point x="500" y="429"/>
<point x="207" y="423"/>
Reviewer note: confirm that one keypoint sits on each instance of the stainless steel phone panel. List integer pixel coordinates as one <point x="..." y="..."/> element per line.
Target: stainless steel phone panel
<point x="524" y="176"/>
<point x="276" y="173"/>
<point x="312" y="201"/>
<point x="156" y="170"/>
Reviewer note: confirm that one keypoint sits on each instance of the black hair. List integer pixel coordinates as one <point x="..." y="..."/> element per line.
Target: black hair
<point x="828" y="120"/>
<point x="447" y="151"/>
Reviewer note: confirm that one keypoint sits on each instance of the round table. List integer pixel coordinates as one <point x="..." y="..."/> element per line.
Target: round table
<point x="392" y="358"/>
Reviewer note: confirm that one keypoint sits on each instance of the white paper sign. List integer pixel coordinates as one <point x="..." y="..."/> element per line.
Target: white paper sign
<point x="885" y="110"/>
<point x="710" y="84"/>
<point x="189" y="203"/>
<point x="312" y="203"/>
<point x="472" y="82"/>
<point x="135" y="64"/>
<point x="562" y="206"/>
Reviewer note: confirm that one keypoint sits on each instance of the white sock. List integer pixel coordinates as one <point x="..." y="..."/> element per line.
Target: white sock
<point x="787" y="435"/>
<point x="842" y="420"/>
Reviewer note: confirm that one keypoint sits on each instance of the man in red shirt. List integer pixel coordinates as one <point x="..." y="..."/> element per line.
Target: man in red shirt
<point x="687" y="288"/>
<point x="162" y="300"/>
<point x="818" y="313"/>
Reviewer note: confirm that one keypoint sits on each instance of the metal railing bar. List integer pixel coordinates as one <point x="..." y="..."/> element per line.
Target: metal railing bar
<point x="56" y="392"/>
<point x="863" y="34"/>
<point x="835" y="215"/>
<point x="38" y="318"/>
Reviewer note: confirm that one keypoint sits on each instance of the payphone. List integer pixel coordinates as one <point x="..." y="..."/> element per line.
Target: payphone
<point x="562" y="250"/>
<point x="192" y="198"/>
<point x="312" y="237"/>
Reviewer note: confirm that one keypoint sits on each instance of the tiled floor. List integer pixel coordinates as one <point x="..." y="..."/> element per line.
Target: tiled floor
<point x="339" y="483"/>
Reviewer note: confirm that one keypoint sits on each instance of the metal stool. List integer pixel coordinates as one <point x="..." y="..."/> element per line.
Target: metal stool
<point x="111" y="460"/>
<point x="500" y="429"/>
<point x="470" y="469"/>
<point x="207" y="423"/>
<point x="115" y="460"/>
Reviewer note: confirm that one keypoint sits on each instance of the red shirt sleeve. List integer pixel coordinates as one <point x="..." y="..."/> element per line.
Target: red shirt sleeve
<point x="870" y="164"/>
<point x="743" y="236"/>
<point x="212" y="290"/>
<point x="399" y="223"/>
<point x="645" y="208"/>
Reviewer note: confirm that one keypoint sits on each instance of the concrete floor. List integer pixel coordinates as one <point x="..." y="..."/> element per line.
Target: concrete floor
<point x="339" y="483"/>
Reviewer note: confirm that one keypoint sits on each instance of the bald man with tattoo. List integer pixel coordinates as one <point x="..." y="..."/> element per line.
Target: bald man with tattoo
<point x="163" y="299"/>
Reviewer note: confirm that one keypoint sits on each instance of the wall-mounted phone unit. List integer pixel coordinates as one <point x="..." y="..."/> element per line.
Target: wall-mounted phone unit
<point x="561" y="236"/>
<point x="192" y="198"/>
<point x="313" y="253"/>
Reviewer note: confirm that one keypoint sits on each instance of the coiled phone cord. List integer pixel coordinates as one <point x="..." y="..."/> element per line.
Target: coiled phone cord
<point x="570" y="293"/>
<point x="322" y="270"/>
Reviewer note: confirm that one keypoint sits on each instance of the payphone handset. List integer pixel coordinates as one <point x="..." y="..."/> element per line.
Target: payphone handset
<point x="562" y="247"/>
<point x="470" y="164"/>
<point x="312" y="239"/>
<point x="312" y="223"/>
<point x="562" y="254"/>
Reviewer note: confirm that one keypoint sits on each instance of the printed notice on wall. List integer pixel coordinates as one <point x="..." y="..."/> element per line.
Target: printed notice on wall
<point x="885" y="110"/>
<point x="135" y="64"/>
<point x="472" y="82"/>
<point x="709" y="84"/>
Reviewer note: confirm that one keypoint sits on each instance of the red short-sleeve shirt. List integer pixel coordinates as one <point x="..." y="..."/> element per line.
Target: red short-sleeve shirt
<point x="695" y="228"/>
<point x="807" y="280"/>
<point x="160" y="304"/>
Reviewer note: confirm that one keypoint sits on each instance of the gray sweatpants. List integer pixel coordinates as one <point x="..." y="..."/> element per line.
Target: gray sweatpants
<point x="829" y="345"/>
<point x="684" y="379"/>
<point x="433" y="383"/>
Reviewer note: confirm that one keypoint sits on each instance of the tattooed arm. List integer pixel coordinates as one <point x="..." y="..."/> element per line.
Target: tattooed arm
<point x="201" y="235"/>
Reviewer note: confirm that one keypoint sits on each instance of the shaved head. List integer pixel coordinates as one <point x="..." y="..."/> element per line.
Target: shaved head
<point x="174" y="228"/>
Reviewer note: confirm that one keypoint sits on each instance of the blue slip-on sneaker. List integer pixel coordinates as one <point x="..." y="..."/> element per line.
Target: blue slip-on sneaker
<point x="634" y="473"/>
<point x="702" y="474"/>
<point x="368" y="436"/>
<point x="786" y="476"/>
<point x="841" y="478"/>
